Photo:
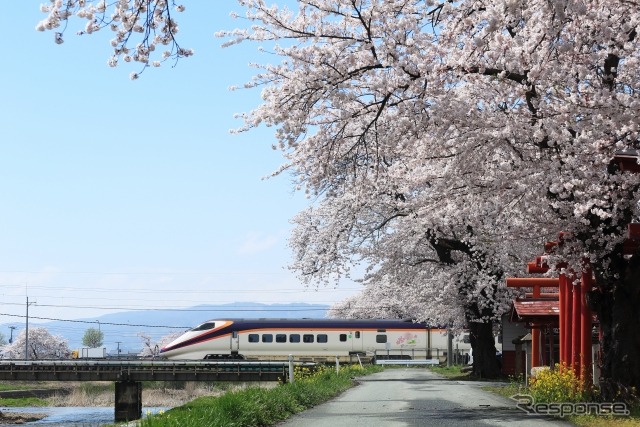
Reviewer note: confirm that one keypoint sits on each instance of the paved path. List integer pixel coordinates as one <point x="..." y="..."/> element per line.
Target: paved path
<point x="417" y="397"/>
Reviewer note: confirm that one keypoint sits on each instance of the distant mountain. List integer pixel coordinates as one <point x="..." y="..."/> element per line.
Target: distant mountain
<point x="121" y="329"/>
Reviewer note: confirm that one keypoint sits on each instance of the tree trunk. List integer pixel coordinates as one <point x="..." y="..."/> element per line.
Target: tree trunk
<point x="618" y="310"/>
<point x="485" y="362"/>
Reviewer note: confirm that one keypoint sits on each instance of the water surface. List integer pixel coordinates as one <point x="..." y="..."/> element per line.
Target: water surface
<point x="73" y="416"/>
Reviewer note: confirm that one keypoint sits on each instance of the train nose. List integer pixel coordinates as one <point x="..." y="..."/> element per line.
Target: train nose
<point x="167" y="349"/>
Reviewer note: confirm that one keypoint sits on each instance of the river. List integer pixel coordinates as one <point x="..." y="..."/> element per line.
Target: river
<point x="73" y="416"/>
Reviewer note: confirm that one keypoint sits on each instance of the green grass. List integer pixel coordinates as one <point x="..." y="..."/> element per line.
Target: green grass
<point x="14" y="385"/>
<point x="22" y="402"/>
<point x="508" y="390"/>
<point x="255" y="406"/>
<point x="451" y="372"/>
<point x="5" y="387"/>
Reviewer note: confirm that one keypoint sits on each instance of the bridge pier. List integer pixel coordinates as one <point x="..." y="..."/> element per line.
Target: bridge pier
<point x="128" y="375"/>
<point x="128" y="401"/>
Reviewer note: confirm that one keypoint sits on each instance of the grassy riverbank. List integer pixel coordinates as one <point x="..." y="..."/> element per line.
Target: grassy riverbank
<point x="12" y="386"/>
<point x="258" y="406"/>
<point x="102" y="394"/>
<point x="22" y="402"/>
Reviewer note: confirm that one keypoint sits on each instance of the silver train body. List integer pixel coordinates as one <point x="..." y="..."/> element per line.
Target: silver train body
<point x="311" y="340"/>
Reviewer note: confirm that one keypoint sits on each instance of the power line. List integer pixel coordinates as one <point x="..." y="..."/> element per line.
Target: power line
<point x="186" y="309"/>
<point x="74" y="294"/>
<point x="110" y="289"/>
<point x="142" y="273"/>
<point x="247" y="308"/>
<point x="132" y="298"/>
<point x="158" y="326"/>
<point x="89" y="321"/>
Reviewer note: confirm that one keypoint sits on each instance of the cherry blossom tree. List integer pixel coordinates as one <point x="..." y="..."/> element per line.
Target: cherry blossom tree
<point x="494" y="121"/>
<point x="382" y="301"/>
<point x="151" y="347"/>
<point x="420" y="267"/>
<point x="42" y="345"/>
<point x="442" y="143"/>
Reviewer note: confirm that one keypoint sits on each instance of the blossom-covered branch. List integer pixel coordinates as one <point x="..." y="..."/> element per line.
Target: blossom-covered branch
<point x="140" y="27"/>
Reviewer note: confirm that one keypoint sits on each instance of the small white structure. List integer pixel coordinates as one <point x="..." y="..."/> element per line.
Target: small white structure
<point x="89" y="353"/>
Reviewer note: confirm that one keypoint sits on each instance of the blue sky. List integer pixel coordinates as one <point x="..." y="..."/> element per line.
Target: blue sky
<point x="118" y="194"/>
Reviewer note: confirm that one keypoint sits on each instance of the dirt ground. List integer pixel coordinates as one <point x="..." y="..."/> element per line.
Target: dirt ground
<point x="19" y="418"/>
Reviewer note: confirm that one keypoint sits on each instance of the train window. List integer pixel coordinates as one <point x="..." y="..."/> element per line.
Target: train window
<point x="343" y="337"/>
<point x="267" y="338"/>
<point x="281" y="338"/>
<point x="205" y="326"/>
<point x="307" y="338"/>
<point x="381" y="339"/>
<point x="254" y="338"/>
<point x="234" y="334"/>
<point x="294" y="338"/>
<point x="323" y="338"/>
<point x="358" y="334"/>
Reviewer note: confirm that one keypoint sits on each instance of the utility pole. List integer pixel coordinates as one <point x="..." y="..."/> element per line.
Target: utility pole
<point x="118" y="342"/>
<point x="449" y="348"/>
<point x="11" y="337"/>
<point x="26" y="333"/>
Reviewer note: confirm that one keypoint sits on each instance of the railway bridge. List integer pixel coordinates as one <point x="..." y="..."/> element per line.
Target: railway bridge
<point x="129" y="374"/>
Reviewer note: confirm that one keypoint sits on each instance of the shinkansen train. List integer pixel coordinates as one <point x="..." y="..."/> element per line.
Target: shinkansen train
<point x="310" y="339"/>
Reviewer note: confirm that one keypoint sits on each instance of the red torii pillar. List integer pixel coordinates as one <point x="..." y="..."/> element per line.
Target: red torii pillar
<point x="536" y="283"/>
<point x="578" y="323"/>
<point x="562" y="296"/>
<point x="575" y="317"/>
<point x="566" y="309"/>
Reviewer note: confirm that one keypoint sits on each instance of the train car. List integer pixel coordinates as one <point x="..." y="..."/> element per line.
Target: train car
<point x="307" y="339"/>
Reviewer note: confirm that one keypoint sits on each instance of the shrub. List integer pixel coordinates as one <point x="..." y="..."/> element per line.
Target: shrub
<point x="558" y="385"/>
